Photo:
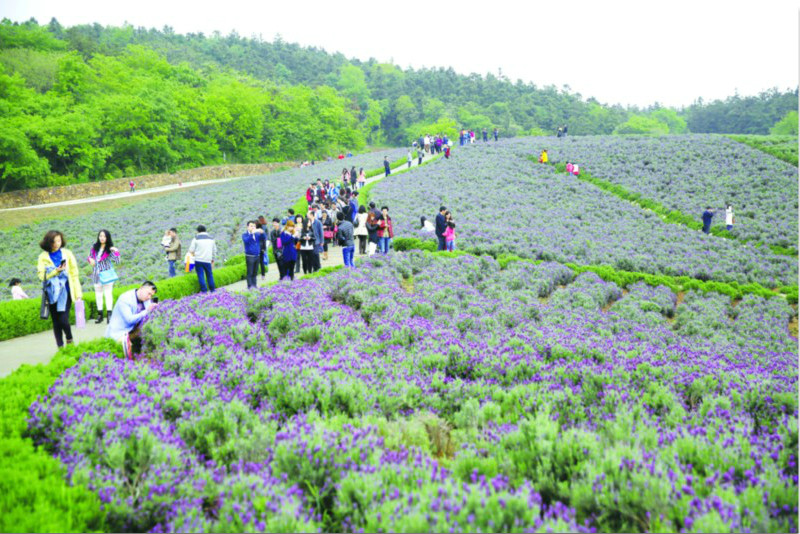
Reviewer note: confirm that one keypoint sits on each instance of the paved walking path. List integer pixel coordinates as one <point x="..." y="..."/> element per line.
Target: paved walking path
<point x="136" y="193"/>
<point x="41" y="347"/>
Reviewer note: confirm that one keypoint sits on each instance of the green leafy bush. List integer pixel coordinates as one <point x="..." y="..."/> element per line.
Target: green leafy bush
<point x="34" y="495"/>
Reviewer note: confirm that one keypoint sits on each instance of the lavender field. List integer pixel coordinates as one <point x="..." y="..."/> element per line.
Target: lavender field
<point x="688" y="173"/>
<point x="421" y="393"/>
<point x="137" y="230"/>
<point x="503" y="203"/>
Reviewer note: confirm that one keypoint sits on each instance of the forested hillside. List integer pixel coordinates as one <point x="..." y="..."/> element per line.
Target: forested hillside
<point x="91" y="102"/>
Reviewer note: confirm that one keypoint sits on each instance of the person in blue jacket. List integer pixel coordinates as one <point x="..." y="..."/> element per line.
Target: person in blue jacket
<point x="289" y="255"/>
<point x="707" y="216"/>
<point x="253" y="240"/>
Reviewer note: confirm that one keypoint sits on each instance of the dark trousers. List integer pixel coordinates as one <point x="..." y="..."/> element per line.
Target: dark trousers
<point x="308" y="261"/>
<point x="261" y="262"/>
<point x="296" y="264"/>
<point x="61" y="322"/>
<point x="442" y="244"/>
<point x="288" y="269"/>
<point x="362" y="244"/>
<point x="420" y="161"/>
<point x="315" y="263"/>
<point x="281" y="268"/>
<point x="387" y="171"/>
<point x="252" y="270"/>
<point x="203" y="270"/>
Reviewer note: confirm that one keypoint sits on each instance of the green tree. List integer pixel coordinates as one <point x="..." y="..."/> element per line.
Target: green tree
<point x="640" y="124"/>
<point x="786" y="126"/>
<point x="675" y="124"/>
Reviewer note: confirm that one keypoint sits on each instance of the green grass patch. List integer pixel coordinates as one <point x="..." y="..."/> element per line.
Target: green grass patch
<point x="783" y="147"/>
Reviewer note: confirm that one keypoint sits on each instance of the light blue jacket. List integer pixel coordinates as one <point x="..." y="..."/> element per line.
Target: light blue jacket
<point x="126" y="315"/>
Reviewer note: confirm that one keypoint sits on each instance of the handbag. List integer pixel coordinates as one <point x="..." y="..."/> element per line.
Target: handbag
<point x="44" y="310"/>
<point x="80" y="314"/>
<point x="327" y="234"/>
<point x="108" y="276"/>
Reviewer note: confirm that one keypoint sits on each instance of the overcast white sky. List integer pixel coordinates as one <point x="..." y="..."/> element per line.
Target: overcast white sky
<point x="618" y="52"/>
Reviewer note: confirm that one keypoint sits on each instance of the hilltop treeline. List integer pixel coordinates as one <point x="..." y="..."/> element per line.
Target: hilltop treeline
<point x="91" y="102"/>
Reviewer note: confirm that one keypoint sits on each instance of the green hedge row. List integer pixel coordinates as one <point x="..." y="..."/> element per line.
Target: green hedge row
<point x="625" y="278"/>
<point x="668" y="216"/>
<point x="21" y="317"/>
<point x="34" y="494"/>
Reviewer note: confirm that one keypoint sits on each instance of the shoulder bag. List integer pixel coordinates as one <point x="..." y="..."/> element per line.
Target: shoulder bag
<point x="44" y="310"/>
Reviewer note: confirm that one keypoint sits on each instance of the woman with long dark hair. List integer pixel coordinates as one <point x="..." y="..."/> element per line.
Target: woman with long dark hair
<point x="57" y="266"/>
<point x="103" y="276"/>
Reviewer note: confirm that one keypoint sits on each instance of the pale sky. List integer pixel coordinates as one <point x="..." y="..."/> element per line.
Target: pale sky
<point x="624" y="52"/>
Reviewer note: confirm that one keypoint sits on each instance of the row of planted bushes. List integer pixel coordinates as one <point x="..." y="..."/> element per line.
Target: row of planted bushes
<point x="668" y="216"/>
<point x="626" y="278"/>
<point x="34" y="494"/>
<point x="21" y="317"/>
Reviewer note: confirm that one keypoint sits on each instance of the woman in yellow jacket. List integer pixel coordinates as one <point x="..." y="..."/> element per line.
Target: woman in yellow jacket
<point x="58" y="267"/>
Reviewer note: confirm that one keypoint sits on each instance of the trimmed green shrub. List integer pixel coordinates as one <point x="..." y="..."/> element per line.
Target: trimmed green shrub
<point x="34" y="494"/>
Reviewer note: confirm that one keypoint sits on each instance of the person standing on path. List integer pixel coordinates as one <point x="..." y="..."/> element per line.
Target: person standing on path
<point x="372" y="232"/>
<point x="327" y="232"/>
<point x="253" y="239"/>
<point x="319" y="241"/>
<point x="286" y="242"/>
<point x="420" y="155"/>
<point x="263" y="257"/>
<point x="129" y="312"/>
<point x="441" y="226"/>
<point x="353" y="207"/>
<point x="57" y="267"/>
<point x="361" y="229"/>
<point x="132" y="185"/>
<point x="204" y="251"/>
<point x="495" y="132"/>
<point x="345" y="237"/>
<point x="173" y="250"/>
<point x="485" y="135"/>
<point x="410" y="158"/>
<point x="103" y="276"/>
<point x="387" y="166"/>
<point x="274" y="234"/>
<point x="307" y="245"/>
<point x="729" y="218"/>
<point x="353" y="177"/>
<point x="362" y="178"/>
<point x="707" y="216"/>
<point x="385" y="230"/>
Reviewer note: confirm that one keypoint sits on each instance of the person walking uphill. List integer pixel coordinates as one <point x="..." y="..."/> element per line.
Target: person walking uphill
<point x="253" y="239"/>
<point x="58" y="271"/>
<point x="387" y="166"/>
<point x="103" y="276"/>
<point x="204" y="250"/>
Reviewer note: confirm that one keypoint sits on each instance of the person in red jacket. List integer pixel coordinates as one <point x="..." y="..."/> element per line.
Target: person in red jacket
<point x="310" y="194"/>
<point x="385" y="231"/>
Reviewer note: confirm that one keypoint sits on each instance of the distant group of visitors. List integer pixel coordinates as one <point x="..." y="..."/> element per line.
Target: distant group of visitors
<point x="708" y="215"/>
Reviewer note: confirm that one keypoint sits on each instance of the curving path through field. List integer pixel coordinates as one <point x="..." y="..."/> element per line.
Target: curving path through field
<point x="40" y="348"/>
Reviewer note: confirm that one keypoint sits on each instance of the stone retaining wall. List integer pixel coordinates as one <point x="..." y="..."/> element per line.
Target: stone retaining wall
<point x="46" y="195"/>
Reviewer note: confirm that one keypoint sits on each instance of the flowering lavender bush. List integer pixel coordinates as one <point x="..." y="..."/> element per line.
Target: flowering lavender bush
<point x="504" y="204"/>
<point x="688" y="173"/>
<point x="137" y="230"/>
<point x="424" y="393"/>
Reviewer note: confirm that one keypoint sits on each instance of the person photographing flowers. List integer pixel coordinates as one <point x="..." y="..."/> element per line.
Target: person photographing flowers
<point x="129" y="312"/>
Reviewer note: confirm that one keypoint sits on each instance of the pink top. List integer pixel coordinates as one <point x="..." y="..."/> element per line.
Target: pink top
<point x="450" y="234"/>
<point x="569" y="167"/>
<point x="18" y="293"/>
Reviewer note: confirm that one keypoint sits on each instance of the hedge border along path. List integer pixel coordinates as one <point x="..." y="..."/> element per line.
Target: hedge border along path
<point x="21" y="317"/>
<point x="671" y="217"/>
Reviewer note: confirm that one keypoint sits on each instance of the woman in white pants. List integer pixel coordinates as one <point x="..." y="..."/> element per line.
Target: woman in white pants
<point x="101" y="256"/>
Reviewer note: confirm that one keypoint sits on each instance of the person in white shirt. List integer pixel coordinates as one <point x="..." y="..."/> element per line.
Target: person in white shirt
<point x="729" y="218"/>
